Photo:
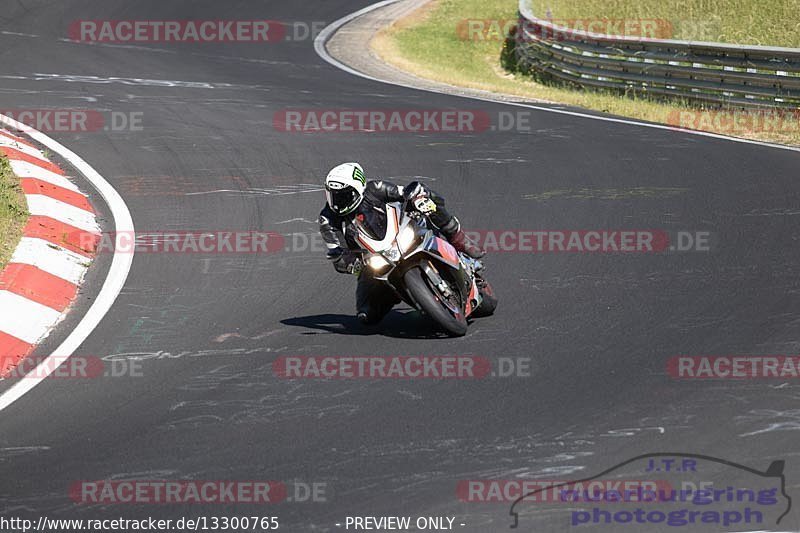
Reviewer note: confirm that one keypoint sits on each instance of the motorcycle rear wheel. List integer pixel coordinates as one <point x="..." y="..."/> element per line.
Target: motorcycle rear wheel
<point x="489" y="303"/>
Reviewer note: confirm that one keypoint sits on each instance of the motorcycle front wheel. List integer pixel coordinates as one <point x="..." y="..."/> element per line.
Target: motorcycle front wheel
<point x="446" y="313"/>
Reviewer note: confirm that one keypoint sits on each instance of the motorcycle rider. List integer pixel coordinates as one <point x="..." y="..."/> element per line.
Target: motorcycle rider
<point x="351" y="196"/>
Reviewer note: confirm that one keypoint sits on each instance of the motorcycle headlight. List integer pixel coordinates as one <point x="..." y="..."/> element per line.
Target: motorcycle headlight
<point x="406" y="238"/>
<point x="378" y="263"/>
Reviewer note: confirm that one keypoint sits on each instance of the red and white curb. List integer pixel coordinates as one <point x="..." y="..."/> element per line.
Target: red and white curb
<point x="117" y="272"/>
<point x="41" y="280"/>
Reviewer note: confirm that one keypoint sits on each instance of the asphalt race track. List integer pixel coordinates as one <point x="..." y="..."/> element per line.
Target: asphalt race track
<point x="598" y="329"/>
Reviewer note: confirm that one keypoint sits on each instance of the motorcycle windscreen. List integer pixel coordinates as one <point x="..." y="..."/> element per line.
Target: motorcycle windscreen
<point x="374" y="222"/>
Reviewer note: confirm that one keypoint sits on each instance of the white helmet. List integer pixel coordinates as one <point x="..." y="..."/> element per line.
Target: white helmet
<point x="344" y="188"/>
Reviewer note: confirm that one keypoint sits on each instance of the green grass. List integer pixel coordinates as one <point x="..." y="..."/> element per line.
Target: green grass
<point x="755" y="22"/>
<point x="427" y="43"/>
<point x="13" y="211"/>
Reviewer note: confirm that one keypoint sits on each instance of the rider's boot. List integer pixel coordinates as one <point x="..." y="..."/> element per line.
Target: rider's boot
<point x="455" y="235"/>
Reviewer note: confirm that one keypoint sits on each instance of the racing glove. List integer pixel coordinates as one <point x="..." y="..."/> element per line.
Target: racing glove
<point x="346" y="261"/>
<point x="418" y="196"/>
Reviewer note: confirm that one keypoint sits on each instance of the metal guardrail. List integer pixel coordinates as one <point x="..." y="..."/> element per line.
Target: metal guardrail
<point x="723" y="74"/>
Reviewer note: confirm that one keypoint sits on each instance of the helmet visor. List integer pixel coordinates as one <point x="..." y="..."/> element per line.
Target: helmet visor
<point x="343" y="201"/>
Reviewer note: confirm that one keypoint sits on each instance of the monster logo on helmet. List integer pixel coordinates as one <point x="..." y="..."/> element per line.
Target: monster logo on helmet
<point x="344" y="188"/>
<point x="359" y="175"/>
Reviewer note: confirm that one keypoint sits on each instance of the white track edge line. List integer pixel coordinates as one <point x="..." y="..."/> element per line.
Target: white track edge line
<point x="328" y="31"/>
<point x="112" y="286"/>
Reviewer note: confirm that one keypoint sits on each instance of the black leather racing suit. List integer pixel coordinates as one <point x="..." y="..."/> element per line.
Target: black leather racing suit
<point x="339" y="233"/>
